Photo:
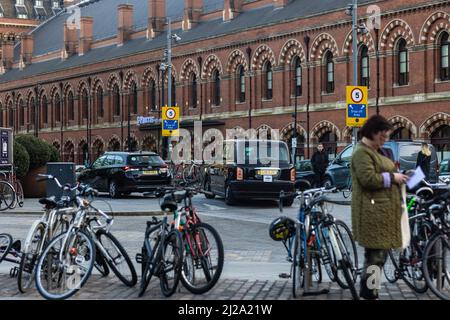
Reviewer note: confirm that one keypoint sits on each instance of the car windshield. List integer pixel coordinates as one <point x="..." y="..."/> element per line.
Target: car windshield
<point x="444" y="167"/>
<point x="304" y="166"/>
<point x="261" y="153"/>
<point x="145" y="160"/>
<point x="409" y="152"/>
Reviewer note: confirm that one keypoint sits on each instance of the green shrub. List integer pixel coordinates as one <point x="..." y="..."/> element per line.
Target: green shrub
<point x="37" y="149"/>
<point x="54" y="154"/>
<point x="21" y="160"/>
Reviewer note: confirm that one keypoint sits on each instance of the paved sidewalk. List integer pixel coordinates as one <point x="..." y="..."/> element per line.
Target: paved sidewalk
<point x="110" y="288"/>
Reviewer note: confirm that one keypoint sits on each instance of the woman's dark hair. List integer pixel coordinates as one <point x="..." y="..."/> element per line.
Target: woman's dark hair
<point x="374" y="125"/>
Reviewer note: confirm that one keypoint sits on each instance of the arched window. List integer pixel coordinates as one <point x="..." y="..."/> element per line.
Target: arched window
<point x="152" y="95"/>
<point x="31" y="112"/>
<point x="11" y="115"/>
<point x="269" y="81"/>
<point x="403" y="63"/>
<point x="21" y="113"/>
<point x="57" y="107"/>
<point x="99" y="102"/>
<point x="1" y="115"/>
<point x="132" y="99"/>
<point x="329" y="73"/>
<point x="216" y="88"/>
<point x="297" y="77"/>
<point x="44" y="106"/>
<point x="70" y="106"/>
<point x="364" y="72"/>
<point x="116" y="100"/>
<point x="193" y="91"/>
<point x="445" y="70"/>
<point x="240" y="87"/>
<point x="84" y="104"/>
<point x="174" y="92"/>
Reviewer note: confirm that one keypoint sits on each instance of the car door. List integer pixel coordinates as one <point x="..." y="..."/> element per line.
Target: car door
<point x="92" y="173"/>
<point x="341" y="167"/>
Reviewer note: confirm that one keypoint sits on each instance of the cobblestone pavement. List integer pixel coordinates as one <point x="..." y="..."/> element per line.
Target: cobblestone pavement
<point x="110" y="288"/>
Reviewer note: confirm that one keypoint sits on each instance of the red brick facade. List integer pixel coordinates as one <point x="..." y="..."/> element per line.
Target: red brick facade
<point x="421" y="108"/>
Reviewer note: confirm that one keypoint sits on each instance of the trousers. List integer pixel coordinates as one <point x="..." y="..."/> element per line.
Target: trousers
<point x="374" y="260"/>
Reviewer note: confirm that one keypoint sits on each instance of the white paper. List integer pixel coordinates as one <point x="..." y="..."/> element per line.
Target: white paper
<point x="416" y="178"/>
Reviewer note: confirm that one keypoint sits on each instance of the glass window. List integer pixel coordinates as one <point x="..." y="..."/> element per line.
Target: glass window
<point x="269" y="81"/>
<point x="329" y="73"/>
<point x="145" y="160"/>
<point x="216" y="92"/>
<point x="193" y="91"/>
<point x="39" y="3"/>
<point x="100" y="110"/>
<point x="57" y="103"/>
<point x="364" y="65"/>
<point x="403" y="63"/>
<point x="99" y="162"/>
<point x="445" y="69"/>
<point x="248" y="152"/>
<point x="409" y="152"/>
<point x="297" y="77"/>
<point x="346" y="155"/>
<point x="116" y="100"/>
<point x="119" y="160"/>
<point x="444" y="167"/>
<point x="70" y="106"/>
<point x="241" y="84"/>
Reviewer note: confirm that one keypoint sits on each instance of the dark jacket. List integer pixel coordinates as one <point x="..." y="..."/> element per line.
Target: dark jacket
<point x="319" y="161"/>
<point x="376" y="208"/>
<point x="424" y="162"/>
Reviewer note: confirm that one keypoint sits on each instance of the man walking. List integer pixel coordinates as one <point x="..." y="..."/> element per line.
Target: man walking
<point x="319" y="163"/>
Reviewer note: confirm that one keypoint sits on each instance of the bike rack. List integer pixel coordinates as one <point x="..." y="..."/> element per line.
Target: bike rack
<point x="14" y="255"/>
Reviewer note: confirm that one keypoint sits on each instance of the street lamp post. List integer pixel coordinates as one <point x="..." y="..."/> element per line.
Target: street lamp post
<point x="249" y="54"/>
<point x="61" y="118"/>
<point x="200" y="60"/>
<point x="307" y="40"/>
<point x="36" y="111"/>
<point x="377" y="31"/>
<point x="355" y="54"/>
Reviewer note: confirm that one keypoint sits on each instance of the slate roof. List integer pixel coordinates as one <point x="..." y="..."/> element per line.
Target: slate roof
<point x="49" y="36"/>
<point x="11" y="10"/>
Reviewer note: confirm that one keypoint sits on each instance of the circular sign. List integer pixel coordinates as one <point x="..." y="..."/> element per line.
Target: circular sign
<point x="357" y="95"/>
<point x="170" y="113"/>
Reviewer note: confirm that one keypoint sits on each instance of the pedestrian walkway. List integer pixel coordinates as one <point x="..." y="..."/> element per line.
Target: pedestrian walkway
<point x="111" y="288"/>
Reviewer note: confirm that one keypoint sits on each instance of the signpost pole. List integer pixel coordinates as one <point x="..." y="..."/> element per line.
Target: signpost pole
<point x="355" y="57"/>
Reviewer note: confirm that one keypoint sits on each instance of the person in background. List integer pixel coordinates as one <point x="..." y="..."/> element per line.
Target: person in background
<point x="424" y="159"/>
<point x="376" y="202"/>
<point x="319" y="163"/>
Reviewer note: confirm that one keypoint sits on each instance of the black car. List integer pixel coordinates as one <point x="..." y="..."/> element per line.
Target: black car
<point x="305" y="175"/>
<point x="250" y="170"/>
<point x="444" y="170"/>
<point x="124" y="172"/>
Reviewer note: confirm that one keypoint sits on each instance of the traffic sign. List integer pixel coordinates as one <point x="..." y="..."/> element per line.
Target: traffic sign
<point x="170" y="121"/>
<point x="357" y="111"/>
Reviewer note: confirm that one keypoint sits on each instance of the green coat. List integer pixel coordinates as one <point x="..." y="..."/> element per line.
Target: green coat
<point x="376" y="210"/>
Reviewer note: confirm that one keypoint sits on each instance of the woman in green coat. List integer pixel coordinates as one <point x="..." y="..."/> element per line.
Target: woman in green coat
<point x="376" y="202"/>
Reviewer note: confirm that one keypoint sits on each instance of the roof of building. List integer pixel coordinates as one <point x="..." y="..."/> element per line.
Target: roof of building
<point x="11" y="10"/>
<point x="49" y="37"/>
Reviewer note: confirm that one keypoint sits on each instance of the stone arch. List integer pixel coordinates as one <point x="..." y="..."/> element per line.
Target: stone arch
<point x="365" y="39"/>
<point x="133" y="141"/>
<point x="291" y="49"/>
<point x="393" y="31"/>
<point x="81" y="150"/>
<point x="402" y="122"/>
<point x="112" y="80"/>
<point x="211" y="63"/>
<point x="322" y="127"/>
<point x="29" y="95"/>
<point x="347" y="134"/>
<point x="435" y="23"/>
<point x="69" y="151"/>
<point x="236" y="58"/>
<point x="67" y="88"/>
<point x="322" y="43"/>
<point x="53" y="91"/>
<point x="266" y="131"/>
<point x="81" y="86"/>
<point x="56" y="144"/>
<point x="96" y="84"/>
<point x="189" y="66"/>
<point x="114" y="143"/>
<point x="129" y="78"/>
<point x="434" y="122"/>
<point x="98" y="147"/>
<point x="150" y="143"/>
<point x="148" y="75"/>
<point x="284" y="134"/>
<point x="262" y="54"/>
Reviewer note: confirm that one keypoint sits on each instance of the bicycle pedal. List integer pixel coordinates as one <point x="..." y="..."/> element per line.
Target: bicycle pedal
<point x="139" y="258"/>
<point x="284" y="276"/>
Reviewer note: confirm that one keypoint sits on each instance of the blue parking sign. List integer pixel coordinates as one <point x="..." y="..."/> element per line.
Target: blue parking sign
<point x="357" y="111"/>
<point x="170" y="125"/>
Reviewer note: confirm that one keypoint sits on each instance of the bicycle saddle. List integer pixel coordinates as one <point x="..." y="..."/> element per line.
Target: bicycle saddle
<point x="49" y="202"/>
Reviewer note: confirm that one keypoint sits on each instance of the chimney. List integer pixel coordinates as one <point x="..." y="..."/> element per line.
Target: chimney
<point x="156" y="17"/>
<point x="280" y="3"/>
<point x="84" y="44"/>
<point x="70" y="39"/>
<point x="125" y="23"/>
<point x="7" y="53"/>
<point x="192" y="12"/>
<point x="231" y="9"/>
<point x="26" y="49"/>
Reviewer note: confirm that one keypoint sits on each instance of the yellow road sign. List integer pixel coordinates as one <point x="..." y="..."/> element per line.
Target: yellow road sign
<point x="170" y="121"/>
<point x="357" y="111"/>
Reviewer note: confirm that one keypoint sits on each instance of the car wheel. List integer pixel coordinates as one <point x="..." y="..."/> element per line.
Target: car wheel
<point x="229" y="200"/>
<point x="328" y="183"/>
<point x="208" y="188"/>
<point x="114" y="190"/>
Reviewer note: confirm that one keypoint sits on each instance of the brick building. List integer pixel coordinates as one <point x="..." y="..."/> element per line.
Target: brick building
<point x="239" y="63"/>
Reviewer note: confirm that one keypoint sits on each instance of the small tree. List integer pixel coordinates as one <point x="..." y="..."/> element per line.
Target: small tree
<point x="37" y="149"/>
<point x="21" y="160"/>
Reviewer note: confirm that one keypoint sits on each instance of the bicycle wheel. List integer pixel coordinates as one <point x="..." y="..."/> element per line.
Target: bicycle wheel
<point x="118" y="258"/>
<point x="328" y="259"/>
<point x="298" y="265"/>
<point x="100" y="263"/>
<point x="30" y="255"/>
<point x="347" y="270"/>
<point x="411" y="269"/>
<point x="203" y="259"/>
<point x="344" y="235"/>
<point x="60" y="279"/>
<point x="7" y="196"/>
<point x="149" y="256"/>
<point x="436" y="266"/>
<point x="19" y="193"/>
<point x="391" y="266"/>
<point x="5" y="245"/>
<point x="171" y="263"/>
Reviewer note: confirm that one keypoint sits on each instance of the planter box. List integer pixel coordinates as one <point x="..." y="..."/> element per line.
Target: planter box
<point x="31" y="188"/>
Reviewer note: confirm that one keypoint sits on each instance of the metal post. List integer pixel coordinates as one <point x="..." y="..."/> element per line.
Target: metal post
<point x="355" y="54"/>
<point x="377" y="30"/>
<point x="200" y="60"/>
<point x="295" y="120"/>
<point x="249" y="53"/>
<point x="129" y="123"/>
<point x="307" y="39"/>
<point x="61" y="118"/>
